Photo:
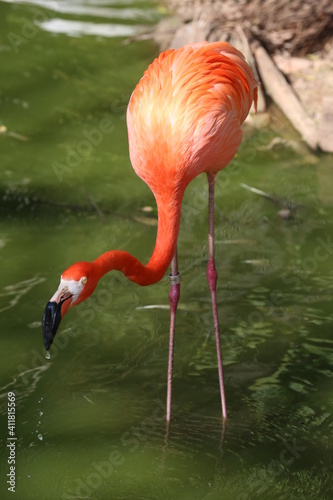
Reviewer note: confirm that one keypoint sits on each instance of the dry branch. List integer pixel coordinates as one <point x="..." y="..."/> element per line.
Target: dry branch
<point x="283" y="95"/>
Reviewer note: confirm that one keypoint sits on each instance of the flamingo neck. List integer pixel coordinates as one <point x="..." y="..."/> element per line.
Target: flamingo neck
<point x="165" y="246"/>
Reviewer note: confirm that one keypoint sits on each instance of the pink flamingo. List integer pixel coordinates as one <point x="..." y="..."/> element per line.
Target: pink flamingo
<point x="184" y="118"/>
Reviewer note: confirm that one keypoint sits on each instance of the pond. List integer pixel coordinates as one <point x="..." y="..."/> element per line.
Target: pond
<point x="90" y="422"/>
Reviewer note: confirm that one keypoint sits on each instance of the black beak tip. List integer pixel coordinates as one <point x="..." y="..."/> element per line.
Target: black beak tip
<point x="51" y="320"/>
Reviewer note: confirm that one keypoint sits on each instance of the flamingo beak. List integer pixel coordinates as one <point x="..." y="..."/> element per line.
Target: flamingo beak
<point x="54" y="312"/>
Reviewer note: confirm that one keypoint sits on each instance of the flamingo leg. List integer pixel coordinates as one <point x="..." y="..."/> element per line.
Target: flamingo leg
<point x="212" y="279"/>
<point x="174" y="295"/>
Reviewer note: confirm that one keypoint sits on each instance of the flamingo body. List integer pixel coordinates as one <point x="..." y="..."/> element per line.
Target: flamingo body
<point x="185" y="114"/>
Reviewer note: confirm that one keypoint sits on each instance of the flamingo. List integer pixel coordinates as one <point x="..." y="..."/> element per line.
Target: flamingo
<point x="184" y="118"/>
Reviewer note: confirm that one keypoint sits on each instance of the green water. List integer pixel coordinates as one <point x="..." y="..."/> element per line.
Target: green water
<point x="90" y="421"/>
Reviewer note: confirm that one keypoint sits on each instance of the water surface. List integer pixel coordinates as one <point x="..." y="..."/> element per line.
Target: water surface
<point x="90" y="421"/>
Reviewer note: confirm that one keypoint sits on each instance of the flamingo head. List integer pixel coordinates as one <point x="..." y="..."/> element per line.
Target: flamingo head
<point x="77" y="283"/>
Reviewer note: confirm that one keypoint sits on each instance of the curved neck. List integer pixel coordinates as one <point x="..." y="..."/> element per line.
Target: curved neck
<point x="169" y="209"/>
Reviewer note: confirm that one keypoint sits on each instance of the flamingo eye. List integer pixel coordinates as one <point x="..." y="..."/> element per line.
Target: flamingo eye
<point x="83" y="280"/>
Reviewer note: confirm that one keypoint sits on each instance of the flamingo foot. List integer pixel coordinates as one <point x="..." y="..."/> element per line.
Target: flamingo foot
<point x="212" y="280"/>
<point x="173" y="300"/>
